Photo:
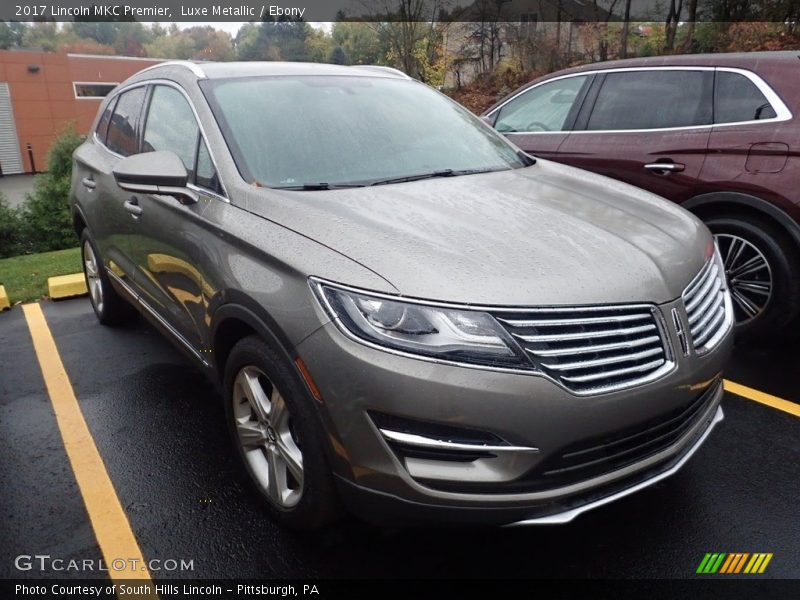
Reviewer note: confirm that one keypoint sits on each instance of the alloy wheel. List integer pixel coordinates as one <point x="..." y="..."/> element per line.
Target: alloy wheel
<point x="749" y="276"/>
<point x="267" y="438"/>
<point x="93" y="281"/>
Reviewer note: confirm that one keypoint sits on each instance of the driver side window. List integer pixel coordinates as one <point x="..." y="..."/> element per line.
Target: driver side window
<point x="542" y="108"/>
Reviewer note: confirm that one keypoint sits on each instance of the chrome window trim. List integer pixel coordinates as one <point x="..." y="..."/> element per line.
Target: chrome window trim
<point x="782" y="112"/>
<point x="224" y="196"/>
<point x="670" y="364"/>
<point x="192" y="66"/>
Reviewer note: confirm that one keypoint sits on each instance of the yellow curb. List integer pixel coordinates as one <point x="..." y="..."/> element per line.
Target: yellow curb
<point x="4" y="303"/>
<point x="66" y="286"/>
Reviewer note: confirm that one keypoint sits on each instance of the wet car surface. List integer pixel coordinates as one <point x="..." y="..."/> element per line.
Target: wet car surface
<point x="159" y="428"/>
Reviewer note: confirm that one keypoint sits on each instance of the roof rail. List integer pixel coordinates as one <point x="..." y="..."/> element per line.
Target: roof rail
<point x="382" y="69"/>
<point x="193" y="67"/>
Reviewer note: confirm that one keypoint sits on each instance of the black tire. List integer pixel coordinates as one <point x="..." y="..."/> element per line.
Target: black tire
<point x="113" y="309"/>
<point x="318" y="503"/>
<point x="783" y="304"/>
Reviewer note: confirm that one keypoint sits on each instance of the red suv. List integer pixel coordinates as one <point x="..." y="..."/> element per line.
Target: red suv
<point x="716" y="133"/>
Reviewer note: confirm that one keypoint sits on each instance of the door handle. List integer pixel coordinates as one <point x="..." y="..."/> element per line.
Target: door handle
<point x="132" y="206"/>
<point x="664" y="167"/>
<point x="88" y="183"/>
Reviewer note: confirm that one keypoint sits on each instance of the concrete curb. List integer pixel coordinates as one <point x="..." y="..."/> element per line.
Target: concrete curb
<point x="66" y="286"/>
<point x="4" y="303"/>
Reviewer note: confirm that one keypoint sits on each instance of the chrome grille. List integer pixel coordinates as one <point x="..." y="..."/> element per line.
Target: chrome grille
<point x="708" y="307"/>
<point x="592" y="349"/>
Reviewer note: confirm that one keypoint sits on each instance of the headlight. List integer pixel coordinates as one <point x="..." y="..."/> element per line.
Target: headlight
<point x="434" y="331"/>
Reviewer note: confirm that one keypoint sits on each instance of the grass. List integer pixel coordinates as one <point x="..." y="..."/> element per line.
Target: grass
<point x="25" y="277"/>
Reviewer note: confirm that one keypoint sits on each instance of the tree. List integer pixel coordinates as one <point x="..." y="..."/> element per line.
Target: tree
<point x="626" y="22"/>
<point x="403" y="26"/>
<point x="177" y="45"/>
<point x="319" y="46"/>
<point x="359" y="42"/>
<point x="688" y="42"/>
<point x="281" y="39"/>
<point x="671" y="24"/>
<point x="46" y="212"/>
<point x="210" y="43"/>
<point x="44" y="35"/>
<point x="11" y="34"/>
<point x="338" y="57"/>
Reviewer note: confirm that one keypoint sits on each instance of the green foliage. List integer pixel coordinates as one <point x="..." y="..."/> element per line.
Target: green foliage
<point x="44" y="35"/>
<point x="509" y="75"/>
<point x="359" y="42"/>
<point x="319" y="46"/>
<point x="12" y="235"/>
<point x="45" y="214"/>
<point x="337" y="57"/>
<point x="11" y="34"/>
<point x="282" y="39"/>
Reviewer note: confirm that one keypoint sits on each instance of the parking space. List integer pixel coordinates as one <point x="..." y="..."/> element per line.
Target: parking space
<point x="158" y="426"/>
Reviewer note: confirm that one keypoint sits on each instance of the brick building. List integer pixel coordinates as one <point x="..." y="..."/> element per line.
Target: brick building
<point x="41" y="92"/>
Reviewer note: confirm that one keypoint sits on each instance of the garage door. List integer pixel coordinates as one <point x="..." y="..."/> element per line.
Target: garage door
<point x="10" y="158"/>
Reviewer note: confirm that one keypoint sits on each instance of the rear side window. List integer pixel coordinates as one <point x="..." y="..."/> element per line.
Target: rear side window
<point x="542" y="108"/>
<point x="121" y="136"/>
<point x="171" y="125"/>
<point x="738" y="99"/>
<point x="102" y="125"/>
<point x="656" y="99"/>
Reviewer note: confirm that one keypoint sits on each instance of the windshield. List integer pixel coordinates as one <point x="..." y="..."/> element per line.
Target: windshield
<point x="290" y="132"/>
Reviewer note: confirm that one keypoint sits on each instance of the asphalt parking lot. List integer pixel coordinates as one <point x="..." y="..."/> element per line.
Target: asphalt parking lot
<point x="159" y="429"/>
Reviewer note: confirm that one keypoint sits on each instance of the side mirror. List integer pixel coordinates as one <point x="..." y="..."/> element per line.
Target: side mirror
<point x="159" y="172"/>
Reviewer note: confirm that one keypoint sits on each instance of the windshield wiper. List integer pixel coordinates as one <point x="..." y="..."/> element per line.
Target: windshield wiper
<point x="431" y="175"/>
<point x="434" y="174"/>
<point x="320" y="186"/>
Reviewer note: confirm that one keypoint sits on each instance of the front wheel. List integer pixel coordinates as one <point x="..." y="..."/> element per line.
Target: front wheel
<point x="763" y="272"/>
<point x="278" y="436"/>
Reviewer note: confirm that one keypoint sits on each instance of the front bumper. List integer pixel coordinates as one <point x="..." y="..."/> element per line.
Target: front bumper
<point x="381" y="508"/>
<point x="522" y="409"/>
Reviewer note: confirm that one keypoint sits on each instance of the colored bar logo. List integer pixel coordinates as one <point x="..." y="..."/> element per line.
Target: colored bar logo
<point x="734" y="562"/>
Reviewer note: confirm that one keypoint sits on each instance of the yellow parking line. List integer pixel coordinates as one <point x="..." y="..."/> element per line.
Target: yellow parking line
<point x="762" y="397"/>
<point x="109" y="521"/>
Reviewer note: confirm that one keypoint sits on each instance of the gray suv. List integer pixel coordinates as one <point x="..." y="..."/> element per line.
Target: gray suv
<point x="407" y="315"/>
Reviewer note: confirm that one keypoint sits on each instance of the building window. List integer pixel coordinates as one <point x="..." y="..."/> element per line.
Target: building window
<point x="92" y="90"/>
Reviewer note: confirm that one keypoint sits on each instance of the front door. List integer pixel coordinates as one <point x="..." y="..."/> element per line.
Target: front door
<point x="167" y="247"/>
<point x="538" y="119"/>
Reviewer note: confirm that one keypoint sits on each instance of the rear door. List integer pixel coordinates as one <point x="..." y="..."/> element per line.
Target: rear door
<point x="539" y="118"/>
<point x="646" y="126"/>
<point x="104" y="204"/>
<point x="748" y="145"/>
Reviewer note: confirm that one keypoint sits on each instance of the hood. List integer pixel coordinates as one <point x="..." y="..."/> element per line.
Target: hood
<point x="543" y="235"/>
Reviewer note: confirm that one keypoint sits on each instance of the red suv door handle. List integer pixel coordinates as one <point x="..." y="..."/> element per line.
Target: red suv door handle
<point x="663" y="168"/>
